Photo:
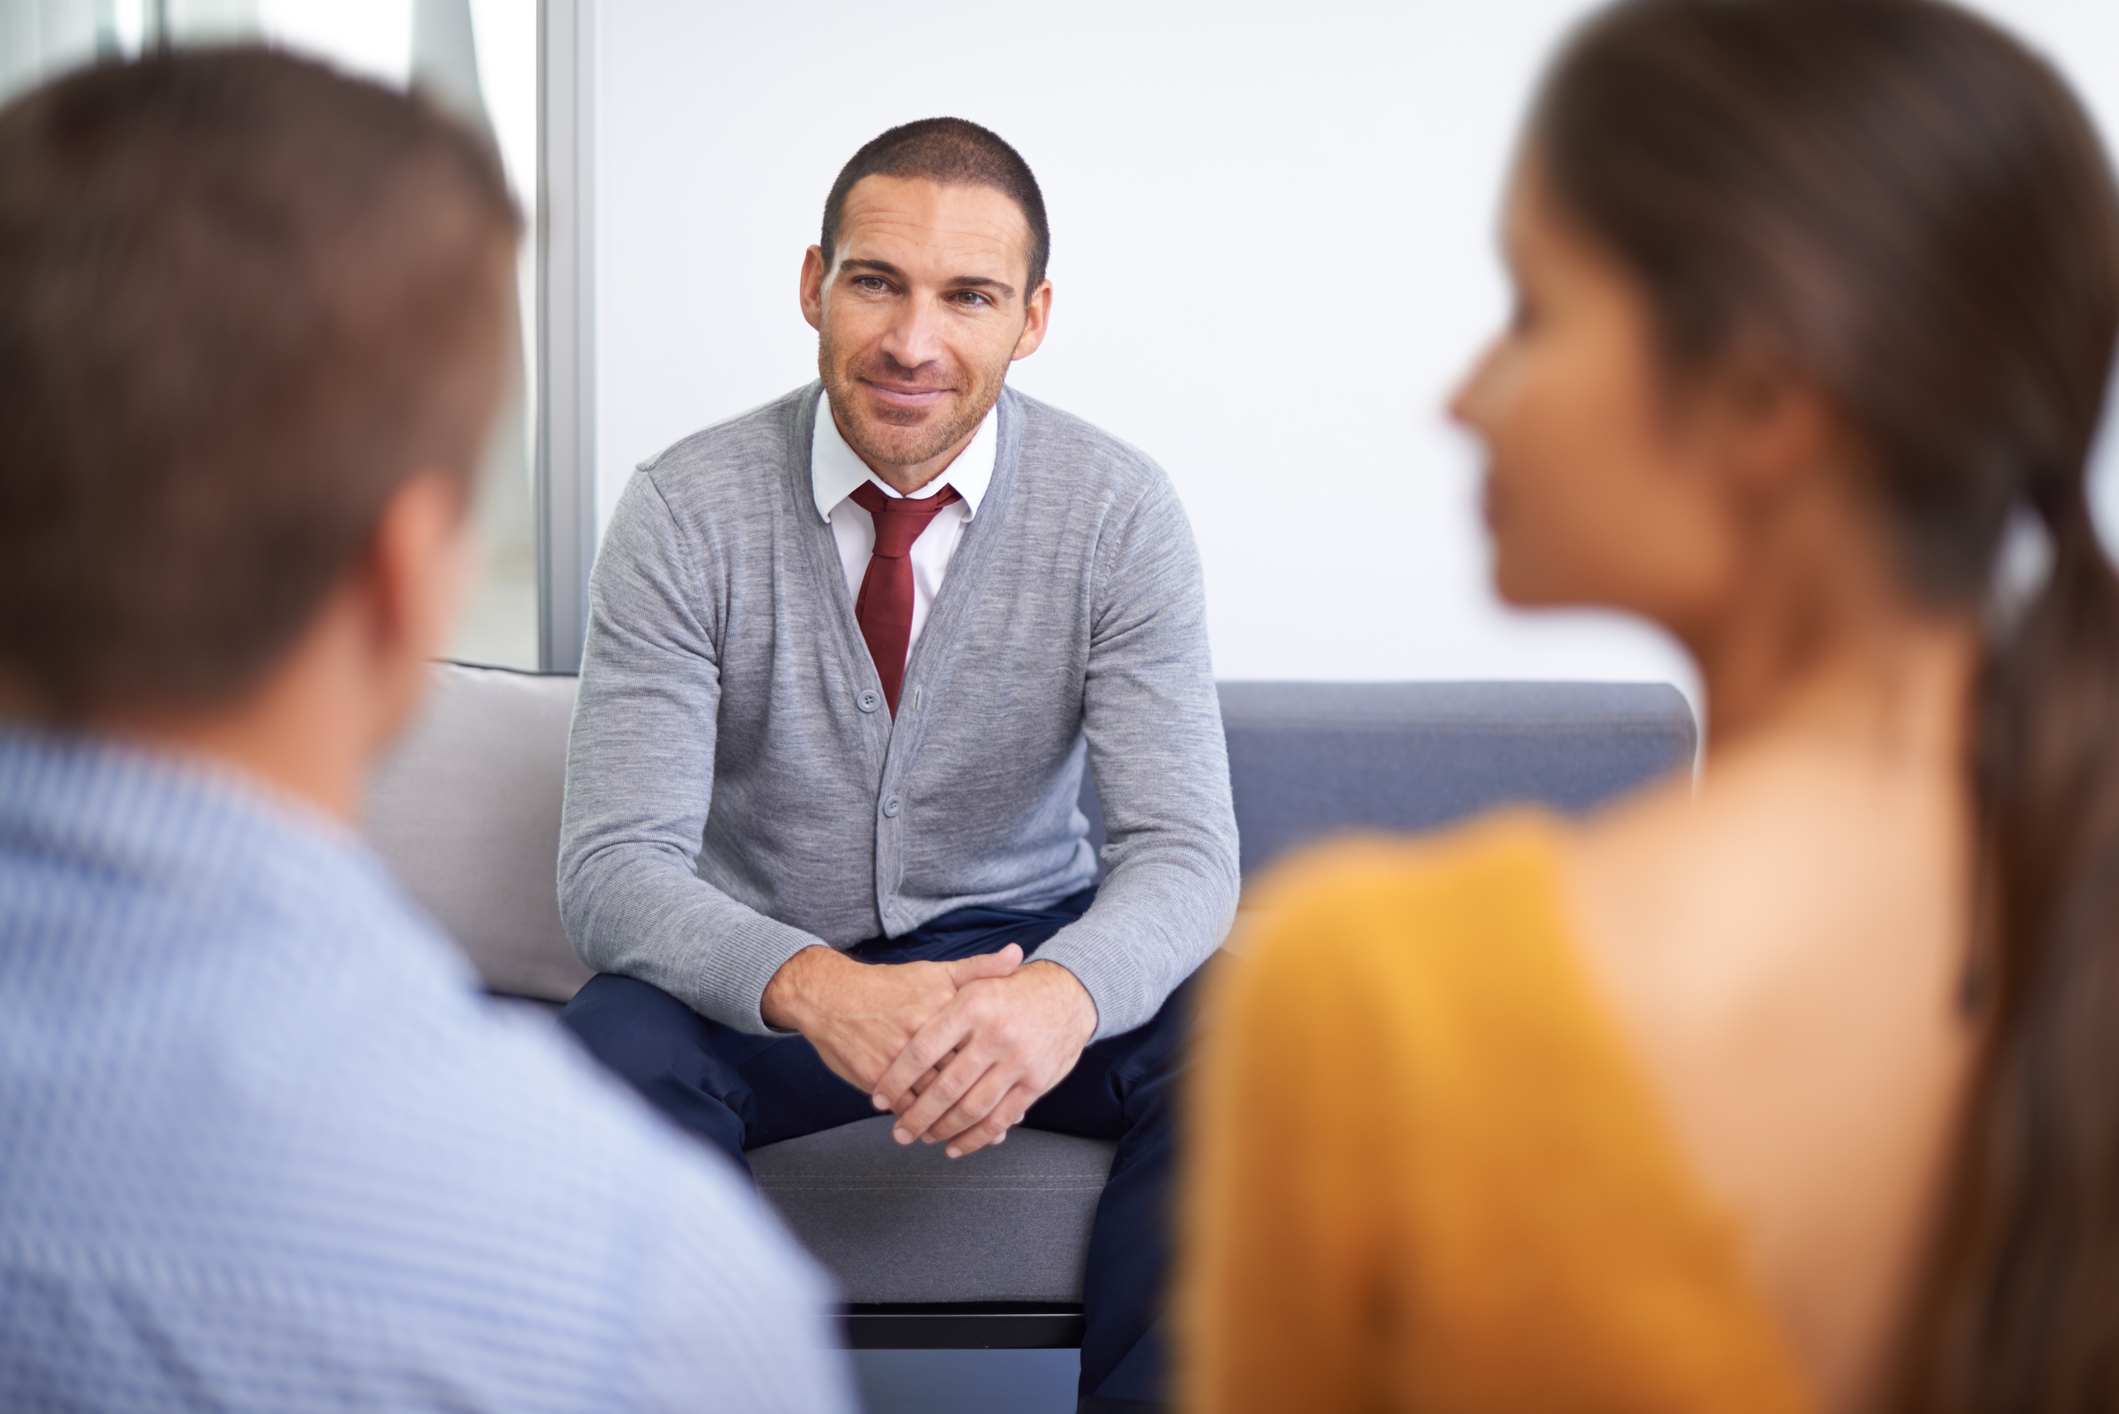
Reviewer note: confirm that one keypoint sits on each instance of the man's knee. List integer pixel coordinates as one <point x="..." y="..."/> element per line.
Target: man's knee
<point x="635" y="1029"/>
<point x="1156" y="1052"/>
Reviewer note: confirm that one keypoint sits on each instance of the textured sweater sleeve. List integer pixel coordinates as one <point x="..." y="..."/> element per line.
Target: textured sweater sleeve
<point x="1153" y="722"/>
<point x="640" y="778"/>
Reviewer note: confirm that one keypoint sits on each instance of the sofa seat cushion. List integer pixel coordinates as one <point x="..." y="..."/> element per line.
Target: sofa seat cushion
<point x="910" y="1224"/>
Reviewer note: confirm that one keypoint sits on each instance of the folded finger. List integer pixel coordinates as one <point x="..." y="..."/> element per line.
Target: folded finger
<point x="995" y="1126"/>
<point x="976" y="1104"/>
<point x="929" y="1049"/>
<point x="950" y="1086"/>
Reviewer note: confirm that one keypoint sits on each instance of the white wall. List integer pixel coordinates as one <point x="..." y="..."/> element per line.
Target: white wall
<point x="1272" y="255"/>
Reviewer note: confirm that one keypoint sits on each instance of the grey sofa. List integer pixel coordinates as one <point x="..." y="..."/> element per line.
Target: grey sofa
<point x="988" y="1250"/>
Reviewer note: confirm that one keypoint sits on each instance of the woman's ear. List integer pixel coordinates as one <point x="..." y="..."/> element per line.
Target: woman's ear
<point x="1772" y="430"/>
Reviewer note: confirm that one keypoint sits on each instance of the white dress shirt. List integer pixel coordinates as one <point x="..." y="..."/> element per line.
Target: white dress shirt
<point x="836" y="471"/>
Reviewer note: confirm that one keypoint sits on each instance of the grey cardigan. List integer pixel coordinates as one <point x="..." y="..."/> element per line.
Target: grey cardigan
<point x="736" y="789"/>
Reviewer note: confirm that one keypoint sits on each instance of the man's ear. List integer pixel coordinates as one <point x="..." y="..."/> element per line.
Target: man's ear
<point x="813" y="273"/>
<point x="418" y="567"/>
<point x="1037" y="317"/>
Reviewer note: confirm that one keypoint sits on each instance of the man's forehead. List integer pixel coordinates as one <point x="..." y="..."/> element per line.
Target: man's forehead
<point x="939" y="225"/>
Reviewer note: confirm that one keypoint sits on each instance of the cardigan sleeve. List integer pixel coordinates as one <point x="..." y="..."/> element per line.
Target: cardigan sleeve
<point x="640" y="779"/>
<point x="1152" y="718"/>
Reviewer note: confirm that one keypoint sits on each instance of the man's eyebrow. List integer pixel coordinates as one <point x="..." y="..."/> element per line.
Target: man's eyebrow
<point x="873" y="267"/>
<point x="980" y="282"/>
<point x="962" y="282"/>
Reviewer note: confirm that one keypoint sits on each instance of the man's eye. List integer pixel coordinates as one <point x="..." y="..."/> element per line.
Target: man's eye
<point x="871" y="283"/>
<point x="972" y="298"/>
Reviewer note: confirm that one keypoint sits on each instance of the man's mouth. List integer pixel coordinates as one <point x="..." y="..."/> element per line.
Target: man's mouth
<point x="908" y="396"/>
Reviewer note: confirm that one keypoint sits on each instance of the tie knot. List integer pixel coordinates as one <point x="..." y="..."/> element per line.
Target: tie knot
<point x="900" y="519"/>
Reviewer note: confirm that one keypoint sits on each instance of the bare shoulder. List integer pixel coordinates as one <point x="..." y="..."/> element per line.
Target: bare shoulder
<point x="1783" y="953"/>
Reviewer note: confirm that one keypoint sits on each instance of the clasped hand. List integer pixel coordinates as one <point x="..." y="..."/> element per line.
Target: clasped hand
<point x="958" y="1050"/>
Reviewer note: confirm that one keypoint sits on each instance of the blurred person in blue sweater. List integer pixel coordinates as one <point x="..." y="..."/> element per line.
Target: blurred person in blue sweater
<point x="263" y="1145"/>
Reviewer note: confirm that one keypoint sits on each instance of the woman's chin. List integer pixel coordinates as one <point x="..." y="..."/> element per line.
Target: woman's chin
<point x="1520" y="588"/>
<point x="1541" y="591"/>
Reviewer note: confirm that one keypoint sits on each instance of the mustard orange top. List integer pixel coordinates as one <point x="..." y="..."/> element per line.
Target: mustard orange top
<point x="1425" y="1172"/>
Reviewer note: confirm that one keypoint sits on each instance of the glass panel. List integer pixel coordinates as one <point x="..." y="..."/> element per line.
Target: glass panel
<point x="477" y="58"/>
<point x="43" y="37"/>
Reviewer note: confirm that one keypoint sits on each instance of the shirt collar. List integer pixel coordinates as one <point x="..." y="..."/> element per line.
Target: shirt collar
<point x="835" y="469"/>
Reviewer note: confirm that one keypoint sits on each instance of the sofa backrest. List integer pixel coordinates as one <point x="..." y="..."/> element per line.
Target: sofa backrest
<point x="1310" y="759"/>
<point x="466" y="810"/>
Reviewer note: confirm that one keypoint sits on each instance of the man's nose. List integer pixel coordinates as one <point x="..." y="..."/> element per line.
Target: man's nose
<point x="914" y="337"/>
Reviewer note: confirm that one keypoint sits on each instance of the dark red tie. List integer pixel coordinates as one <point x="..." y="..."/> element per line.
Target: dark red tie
<point x="884" y="606"/>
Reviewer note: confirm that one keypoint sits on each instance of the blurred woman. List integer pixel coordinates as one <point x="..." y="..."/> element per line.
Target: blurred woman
<point x="1800" y="1089"/>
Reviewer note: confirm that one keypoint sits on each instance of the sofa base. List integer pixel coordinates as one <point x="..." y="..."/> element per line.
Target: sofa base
<point x="961" y="1325"/>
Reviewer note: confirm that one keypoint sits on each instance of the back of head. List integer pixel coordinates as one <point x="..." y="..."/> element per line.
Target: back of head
<point x="1900" y="204"/>
<point x="242" y="300"/>
<point x="951" y="152"/>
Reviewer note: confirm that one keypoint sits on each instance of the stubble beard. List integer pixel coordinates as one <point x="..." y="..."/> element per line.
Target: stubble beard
<point x="882" y="443"/>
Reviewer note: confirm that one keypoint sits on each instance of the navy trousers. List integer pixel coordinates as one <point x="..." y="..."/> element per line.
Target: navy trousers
<point x="737" y="1091"/>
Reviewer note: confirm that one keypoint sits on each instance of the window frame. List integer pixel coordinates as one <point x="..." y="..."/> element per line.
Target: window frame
<point x="564" y="482"/>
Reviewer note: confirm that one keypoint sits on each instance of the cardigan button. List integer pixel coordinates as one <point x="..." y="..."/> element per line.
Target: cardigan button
<point x="890" y="808"/>
<point x="869" y="700"/>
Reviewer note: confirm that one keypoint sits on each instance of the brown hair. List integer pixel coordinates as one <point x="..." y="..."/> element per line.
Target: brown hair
<point x="1901" y="202"/>
<point x="952" y="151"/>
<point x="242" y="299"/>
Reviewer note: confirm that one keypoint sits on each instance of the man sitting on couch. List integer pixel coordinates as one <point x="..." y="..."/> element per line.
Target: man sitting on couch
<point x="262" y="1144"/>
<point x="845" y="656"/>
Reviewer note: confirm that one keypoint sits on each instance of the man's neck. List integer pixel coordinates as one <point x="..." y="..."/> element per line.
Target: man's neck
<point x="301" y="766"/>
<point x="311" y="729"/>
<point x="265" y="737"/>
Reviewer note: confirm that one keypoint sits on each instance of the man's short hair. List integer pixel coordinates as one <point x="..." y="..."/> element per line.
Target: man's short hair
<point x="954" y="152"/>
<point x="243" y="299"/>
